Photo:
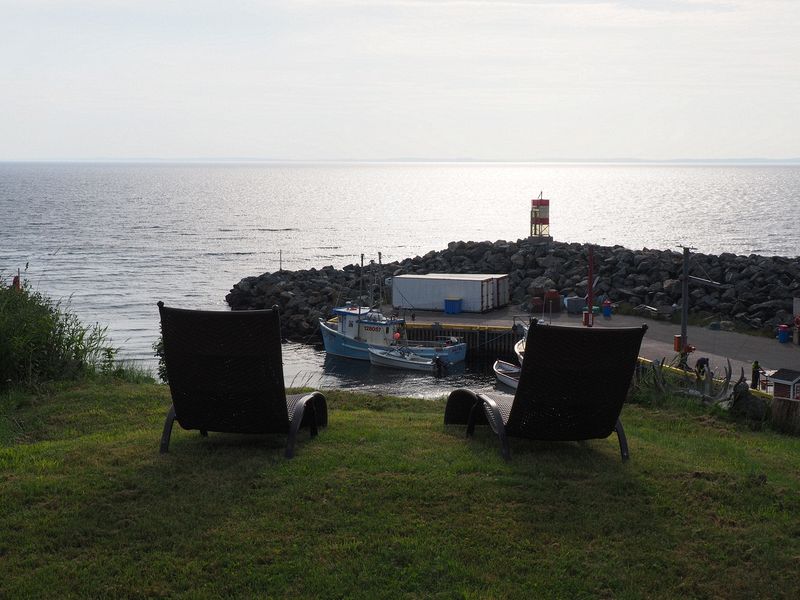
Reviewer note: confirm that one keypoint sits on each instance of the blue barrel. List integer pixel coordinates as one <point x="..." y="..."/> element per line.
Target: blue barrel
<point x="783" y="333"/>
<point x="606" y="309"/>
<point x="452" y="306"/>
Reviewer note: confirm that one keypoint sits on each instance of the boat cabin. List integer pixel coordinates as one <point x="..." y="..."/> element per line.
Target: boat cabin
<point x="363" y="324"/>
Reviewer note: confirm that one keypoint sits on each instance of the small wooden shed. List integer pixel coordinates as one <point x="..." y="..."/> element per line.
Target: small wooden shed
<point x="786" y="384"/>
<point x="786" y="403"/>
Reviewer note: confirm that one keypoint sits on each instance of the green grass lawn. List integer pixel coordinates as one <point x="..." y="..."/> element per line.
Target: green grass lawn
<point x="386" y="502"/>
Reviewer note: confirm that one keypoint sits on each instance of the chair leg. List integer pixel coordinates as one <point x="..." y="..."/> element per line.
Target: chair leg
<point x="505" y="449"/>
<point x="297" y="419"/>
<point x="289" y="453"/>
<point x="320" y="409"/>
<point x="473" y="416"/>
<point x="623" y="442"/>
<point x="167" y="433"/>
<point x="313" y="418"/>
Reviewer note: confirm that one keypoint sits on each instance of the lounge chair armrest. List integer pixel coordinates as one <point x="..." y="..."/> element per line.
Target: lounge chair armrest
<point x="495" y="419"/>
<point x="306" y="402"/>
<point x="310" y="402"/>
<point x="459" y="405"/>
<point x="493" y="415"/>
<point x="320" y="407"/>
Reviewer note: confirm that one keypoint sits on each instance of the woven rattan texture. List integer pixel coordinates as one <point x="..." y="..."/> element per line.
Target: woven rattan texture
<point x="574" y="381"/>
<point x="225" y="371"/>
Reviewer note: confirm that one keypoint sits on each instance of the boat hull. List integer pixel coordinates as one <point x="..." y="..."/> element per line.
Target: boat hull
<point x="519" y="350"/>
<point x="397" y="360"/>
<point x="507" y="373"/>
<point x="341" y="345"/>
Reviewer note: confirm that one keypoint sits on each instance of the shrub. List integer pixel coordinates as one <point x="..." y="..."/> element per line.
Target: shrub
<point x="158" y="351"/>
<point x="41" y="340"/>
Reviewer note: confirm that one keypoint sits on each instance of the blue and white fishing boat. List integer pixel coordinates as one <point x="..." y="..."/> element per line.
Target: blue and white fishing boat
<point x="354" y="329"/>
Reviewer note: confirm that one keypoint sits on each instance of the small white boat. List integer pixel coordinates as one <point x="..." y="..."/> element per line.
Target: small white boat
<point x="402" y="358"/>
<point x="507" y="373"/>
<point x="519" y="350"/>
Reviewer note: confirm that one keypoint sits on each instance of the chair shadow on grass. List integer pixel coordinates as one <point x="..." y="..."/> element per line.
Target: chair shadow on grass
<point x="484" y="441"/>
<point x="570" y="498"/>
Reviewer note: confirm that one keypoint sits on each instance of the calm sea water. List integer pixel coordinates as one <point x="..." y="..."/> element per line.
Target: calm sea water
<point x="116" y="238"/>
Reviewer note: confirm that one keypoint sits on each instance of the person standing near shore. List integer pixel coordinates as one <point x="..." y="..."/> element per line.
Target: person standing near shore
<point x="701" y="367"/>
<point x="755" y="375"/>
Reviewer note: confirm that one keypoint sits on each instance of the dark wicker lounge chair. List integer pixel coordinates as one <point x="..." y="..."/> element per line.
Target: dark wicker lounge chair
<point x="573" y="383"/>
<point x="226" y="374"/>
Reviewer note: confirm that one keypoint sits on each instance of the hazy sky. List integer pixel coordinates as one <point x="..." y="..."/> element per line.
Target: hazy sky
<point x="379" y="79"/>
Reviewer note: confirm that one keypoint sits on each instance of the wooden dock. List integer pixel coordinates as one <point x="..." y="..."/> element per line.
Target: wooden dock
<point x="484" y="341"/>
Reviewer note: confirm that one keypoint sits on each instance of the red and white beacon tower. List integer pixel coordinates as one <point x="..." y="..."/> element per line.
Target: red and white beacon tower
<point x="540" y="217"/>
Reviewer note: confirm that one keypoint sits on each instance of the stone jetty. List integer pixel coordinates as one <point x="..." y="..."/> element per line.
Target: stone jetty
<point x="756" y="291"/>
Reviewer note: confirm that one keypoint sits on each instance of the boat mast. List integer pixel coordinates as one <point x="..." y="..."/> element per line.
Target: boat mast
<point x="380" y="281"/>
<point x="361" y="285"/>
<point x="371" y="282"/>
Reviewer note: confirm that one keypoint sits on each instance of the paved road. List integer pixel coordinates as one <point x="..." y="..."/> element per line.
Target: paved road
<point x="718" y="346"/>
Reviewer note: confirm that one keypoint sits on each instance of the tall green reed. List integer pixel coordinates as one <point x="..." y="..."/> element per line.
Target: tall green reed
<point x="43" y="340"/>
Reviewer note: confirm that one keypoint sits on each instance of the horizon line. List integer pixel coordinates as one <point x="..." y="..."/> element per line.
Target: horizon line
<point x="243" y="159"/>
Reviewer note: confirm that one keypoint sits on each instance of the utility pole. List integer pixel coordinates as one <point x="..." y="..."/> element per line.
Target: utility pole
<point x="685" y="279"/>
<point x="685" y="299"/>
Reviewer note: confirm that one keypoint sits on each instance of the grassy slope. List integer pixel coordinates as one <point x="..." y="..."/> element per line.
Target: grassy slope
<point x="386" y="503"/>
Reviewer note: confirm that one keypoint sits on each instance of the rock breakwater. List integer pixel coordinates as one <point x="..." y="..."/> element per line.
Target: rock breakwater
<point x="757" y="291"/>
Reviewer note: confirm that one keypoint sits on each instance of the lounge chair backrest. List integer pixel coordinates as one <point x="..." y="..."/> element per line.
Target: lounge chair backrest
<point x="225" y="370"/>
<point x="574" y="381"/>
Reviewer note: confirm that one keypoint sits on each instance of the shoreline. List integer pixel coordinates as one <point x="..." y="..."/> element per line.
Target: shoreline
<point x="756" y="291"/>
